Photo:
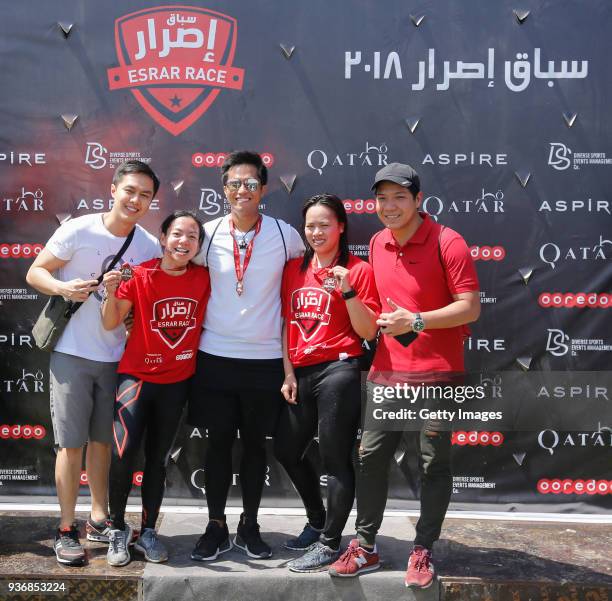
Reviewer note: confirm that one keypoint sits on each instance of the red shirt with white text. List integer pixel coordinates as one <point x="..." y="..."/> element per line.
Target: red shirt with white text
<point x="168" y="315"/>
<point x="317" y="320"/>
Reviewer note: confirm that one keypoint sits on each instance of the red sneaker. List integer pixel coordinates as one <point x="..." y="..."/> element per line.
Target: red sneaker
<point x="354" y="561"/>
<point x="420" y="571"/>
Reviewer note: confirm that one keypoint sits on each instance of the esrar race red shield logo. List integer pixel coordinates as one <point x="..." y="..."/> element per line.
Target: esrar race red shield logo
<point x="310" y="310"/>
<point x="175" y="60"/>
<point x="173" y="318"/>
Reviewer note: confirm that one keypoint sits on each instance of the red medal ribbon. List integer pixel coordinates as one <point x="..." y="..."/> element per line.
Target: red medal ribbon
<point x="241" y="270"/>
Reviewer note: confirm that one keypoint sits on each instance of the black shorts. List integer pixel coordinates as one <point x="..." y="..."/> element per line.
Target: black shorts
<point x="229" y="390"/>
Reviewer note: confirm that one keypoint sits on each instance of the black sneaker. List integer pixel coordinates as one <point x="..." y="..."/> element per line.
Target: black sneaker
<point x="68" y="548"/>
<point x="249" y="540"/>
<point x="212" y="543"/>
<point x="308" y="537"/>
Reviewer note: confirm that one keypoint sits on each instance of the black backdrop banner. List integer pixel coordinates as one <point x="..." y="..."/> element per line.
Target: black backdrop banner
<point x="502" y="111"/>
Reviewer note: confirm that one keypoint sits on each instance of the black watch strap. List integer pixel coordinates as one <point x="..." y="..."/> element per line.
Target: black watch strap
<point x="350" y="294"/>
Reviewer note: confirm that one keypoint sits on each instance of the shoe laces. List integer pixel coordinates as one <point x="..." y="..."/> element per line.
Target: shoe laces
<point x="350" y="554"/>
<point x="117" y="542"/>
<point x="423" y="558"/>
<point x="70" y="538"/>
<point x="150" y="536"/>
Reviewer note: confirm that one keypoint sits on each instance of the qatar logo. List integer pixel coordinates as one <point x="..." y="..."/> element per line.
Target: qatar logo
<point x="175" y="60"/>
<point x="173" y="318"/>
<point x="310" y="310"/>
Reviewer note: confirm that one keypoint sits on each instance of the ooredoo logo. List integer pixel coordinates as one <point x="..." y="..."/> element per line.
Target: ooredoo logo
<point x="19" y="251"/>
<point x="567" y="486"/>
<point x="26" y="431"/>
<point x="570" y="300"/>
<point x="215" y="159"/>
<point x="359" y="205"/>
<point x="136" y="478"/>
<point x="175" y="60"/>
<point x="474" y="438"/>
<point x="488" y="253"/>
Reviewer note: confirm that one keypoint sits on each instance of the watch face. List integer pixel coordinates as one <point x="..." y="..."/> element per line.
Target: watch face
<point x="418" y="325"/>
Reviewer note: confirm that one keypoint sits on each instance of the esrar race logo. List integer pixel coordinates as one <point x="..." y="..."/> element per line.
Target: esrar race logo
<point x="175" y="60"/>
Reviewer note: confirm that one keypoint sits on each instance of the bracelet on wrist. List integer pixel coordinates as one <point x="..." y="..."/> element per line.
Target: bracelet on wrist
<point x="349" y="294"/>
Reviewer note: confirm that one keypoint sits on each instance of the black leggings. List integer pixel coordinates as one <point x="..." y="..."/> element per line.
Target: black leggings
<point x="230" y="395"/>
<point x="140" y="406"/>
<point x="329" y="399"/>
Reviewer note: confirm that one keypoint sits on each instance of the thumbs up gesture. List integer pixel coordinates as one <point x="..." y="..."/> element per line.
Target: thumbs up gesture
<point x="398" y="321"/>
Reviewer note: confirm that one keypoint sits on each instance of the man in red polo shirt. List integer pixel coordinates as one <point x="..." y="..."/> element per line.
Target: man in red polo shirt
<point x="428" y="289"/>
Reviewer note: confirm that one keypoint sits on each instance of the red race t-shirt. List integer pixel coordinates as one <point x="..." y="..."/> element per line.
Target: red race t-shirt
<point x="422" y="275"/>
<point x="317" y="320"/>
<point x="168" y="315"/>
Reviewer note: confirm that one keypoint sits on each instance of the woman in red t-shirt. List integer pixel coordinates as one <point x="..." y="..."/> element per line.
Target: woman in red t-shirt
<point x="168" y="297"/>
<point x="330" y="304"/>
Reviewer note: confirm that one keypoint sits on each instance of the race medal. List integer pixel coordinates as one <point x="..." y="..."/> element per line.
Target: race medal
<point x="329" y="283"/>
<point x="126" y="272"/>
<point x="239" y="288"/>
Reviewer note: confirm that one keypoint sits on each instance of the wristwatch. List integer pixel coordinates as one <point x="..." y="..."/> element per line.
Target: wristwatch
<point x="418" y="325"/>
<point x="349" y="294"/>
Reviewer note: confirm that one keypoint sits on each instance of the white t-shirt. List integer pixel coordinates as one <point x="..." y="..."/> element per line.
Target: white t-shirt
<point x="89" y="248"/>
<point x="246" y="326"/>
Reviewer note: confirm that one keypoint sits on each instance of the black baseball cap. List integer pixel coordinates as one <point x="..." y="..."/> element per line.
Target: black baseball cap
<point x="398" y="173"/>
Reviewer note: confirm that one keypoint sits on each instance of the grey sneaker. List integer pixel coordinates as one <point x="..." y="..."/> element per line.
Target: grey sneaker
<point x="68" y="548"/>
<point x="118" y="553"/>
<point x="149" y="544"/>
<point x="318" y="557"/>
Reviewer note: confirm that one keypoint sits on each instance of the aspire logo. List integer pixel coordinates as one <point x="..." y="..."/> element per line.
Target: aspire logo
<point x="175" y="60"/>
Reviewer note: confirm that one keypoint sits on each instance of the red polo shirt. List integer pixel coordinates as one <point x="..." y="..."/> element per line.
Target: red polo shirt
<point x="413" y="276"/>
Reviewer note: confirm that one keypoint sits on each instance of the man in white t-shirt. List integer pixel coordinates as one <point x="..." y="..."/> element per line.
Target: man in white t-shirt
<point x="84" y="362"/>
<point x="240" y="370"/>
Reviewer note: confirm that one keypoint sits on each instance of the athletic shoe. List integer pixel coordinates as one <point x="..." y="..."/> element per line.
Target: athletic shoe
<point x="149" y="544"/>
<point x="308" y="537"/>
<point x="249" y="540"/>
<point x="68" y="548"/>
<point x="118" y="553"/>
<point x="212" y="543"/>
<point x="98" y="531"/>
<point x="315" y="559"/>
<point x="420" y="571"/>
<point x="354" y="561"/>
